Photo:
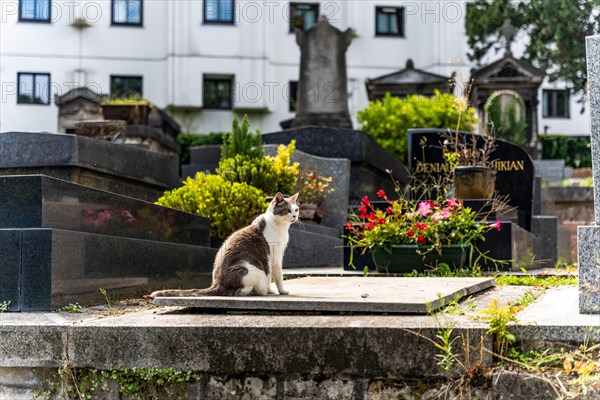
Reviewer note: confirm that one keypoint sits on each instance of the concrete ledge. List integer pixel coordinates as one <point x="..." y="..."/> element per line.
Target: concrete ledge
<point x="338" y="346"/>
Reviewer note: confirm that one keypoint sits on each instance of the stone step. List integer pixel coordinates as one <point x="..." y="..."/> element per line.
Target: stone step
<point x="43" y="269"/>
<point x="38" y="201"/>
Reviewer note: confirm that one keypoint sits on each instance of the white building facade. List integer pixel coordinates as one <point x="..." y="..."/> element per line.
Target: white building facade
<point x="204" y="60"/>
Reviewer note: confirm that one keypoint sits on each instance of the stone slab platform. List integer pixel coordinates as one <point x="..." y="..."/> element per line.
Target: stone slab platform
<point x="348" y="294"/>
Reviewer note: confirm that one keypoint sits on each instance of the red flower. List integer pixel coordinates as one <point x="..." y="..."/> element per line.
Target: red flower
<point x="421" y="240"/>
<point x="371" y="225"/>
<point x="420" y="226"/>
<point x="381" y="194"/>
<point x="371" y="216"/>
<point x="349" y="226"/>
<point x="410" y="233"/>
<point x="390" y="210"/>
<point x="381" y="221"/>
<point x="363" y="211"/>
<point x="365" y="201"/>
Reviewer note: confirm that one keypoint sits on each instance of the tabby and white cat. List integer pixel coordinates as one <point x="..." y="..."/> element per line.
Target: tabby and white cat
<point x="250" y="256"/>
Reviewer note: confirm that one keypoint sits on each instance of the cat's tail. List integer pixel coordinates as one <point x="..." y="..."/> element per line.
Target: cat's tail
<point x="210" y="291"/>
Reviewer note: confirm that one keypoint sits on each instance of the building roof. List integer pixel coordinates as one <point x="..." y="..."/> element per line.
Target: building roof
<point x="410" y="75"/>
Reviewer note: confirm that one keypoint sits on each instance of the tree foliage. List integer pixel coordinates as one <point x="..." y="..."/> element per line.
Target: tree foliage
<point x="556" y="30"/>
<point x="389" y="119"/>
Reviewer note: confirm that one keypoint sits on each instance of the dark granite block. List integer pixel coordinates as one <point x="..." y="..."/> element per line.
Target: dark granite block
<point x="10" y="265"/>
<point x="311" y="249"/>
<point x="36" y="270"/>
<point x="37" y="201"/>
<point x="545" y="228"/>
<point x="53" y="268"/>
<point x="116" y="167"/>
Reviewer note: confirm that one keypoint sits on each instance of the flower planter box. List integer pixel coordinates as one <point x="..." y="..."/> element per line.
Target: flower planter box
<point x="406" y="258"/>
<point x="133" y="114"/>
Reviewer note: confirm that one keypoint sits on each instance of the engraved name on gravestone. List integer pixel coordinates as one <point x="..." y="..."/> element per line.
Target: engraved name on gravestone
<point x="588" y="237"/>
<point x="515" y="169"/>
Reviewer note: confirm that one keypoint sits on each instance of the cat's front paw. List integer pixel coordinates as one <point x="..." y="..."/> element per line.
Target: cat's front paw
<point x="283" y="292"/>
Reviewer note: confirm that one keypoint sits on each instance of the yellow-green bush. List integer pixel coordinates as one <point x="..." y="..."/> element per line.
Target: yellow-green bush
<point x="269" y="174"/>
<point x="389" y="119"/>
<point x="230" y="206"/>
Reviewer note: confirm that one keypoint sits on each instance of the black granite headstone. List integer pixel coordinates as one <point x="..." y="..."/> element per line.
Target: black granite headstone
<point x="515" y="169"/>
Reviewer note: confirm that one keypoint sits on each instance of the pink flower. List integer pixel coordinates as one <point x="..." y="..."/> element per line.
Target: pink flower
<point x="424" y="208"/>
<point x="497" y="225"/>
<point x="390" y="210"/>
<point x="452" y="202"/>
<point x="381" y="194"/>
<point x="446" y="213"/>
<point x="436" y="217"/>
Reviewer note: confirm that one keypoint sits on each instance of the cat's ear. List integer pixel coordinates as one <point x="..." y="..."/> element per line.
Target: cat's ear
<point x="278" y="197"/>
<point x="294" y="198"/>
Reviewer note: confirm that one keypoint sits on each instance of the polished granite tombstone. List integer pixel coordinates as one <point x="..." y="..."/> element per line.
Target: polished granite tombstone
<point x="119" y="168"/>
<point x="368" y="160"/>
<point x="61" y="242"/>
<point x="39" y="201"/>
<point x="514" y="167"/>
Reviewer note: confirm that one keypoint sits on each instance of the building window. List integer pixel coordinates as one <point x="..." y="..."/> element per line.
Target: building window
<point x="303" y="15"/>
<point x="127" y="12"/>
<point x="556" y="103"/>
<point x="389" y="21"/>
<point x="33" y="88"/>
<point x="218" y="94"/>
<point x="293" y="95"/>
<point x="125" y="86"/>
<point x="219" y="11"/>
<point x="34" y="10"/>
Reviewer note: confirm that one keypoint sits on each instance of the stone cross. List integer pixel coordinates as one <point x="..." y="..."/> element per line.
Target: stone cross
<point x="322" y="87"/>
<point x="588" y="237"/>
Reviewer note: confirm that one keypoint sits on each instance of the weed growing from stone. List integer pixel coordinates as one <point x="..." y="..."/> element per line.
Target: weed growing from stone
<point x="103" y="291"/>
<point x="4" y="306"/>
<point x="72" y="308"/>
<point x="498" y="319"/>
<point x="127" y="383"/>
<point x="545" y="281"/>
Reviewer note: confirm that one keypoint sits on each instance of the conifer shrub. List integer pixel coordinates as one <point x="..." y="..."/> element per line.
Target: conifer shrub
<point x="269" y="174"/>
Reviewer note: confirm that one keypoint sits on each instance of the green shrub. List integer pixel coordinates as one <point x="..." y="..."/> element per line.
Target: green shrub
<point x="241" y="141"/>
<point x="389" y="119"/>
<point x="189" y="140"/>
<point x="575" y="150"/>
<point x="269" y="174"/>
<point x="230" y="206"/>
